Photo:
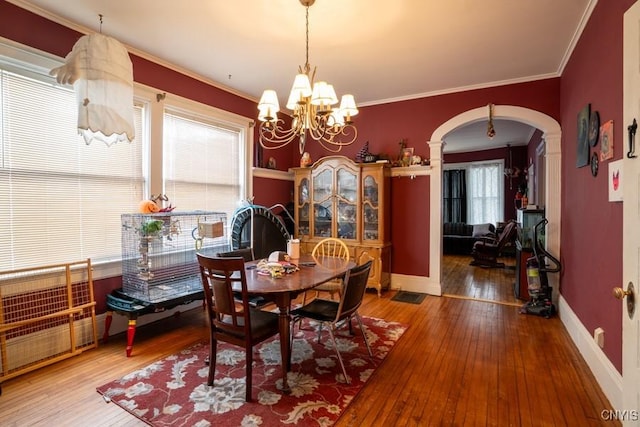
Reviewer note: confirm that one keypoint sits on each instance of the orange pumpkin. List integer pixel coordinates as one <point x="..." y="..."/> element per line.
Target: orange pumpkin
<point x="148" y="206"/>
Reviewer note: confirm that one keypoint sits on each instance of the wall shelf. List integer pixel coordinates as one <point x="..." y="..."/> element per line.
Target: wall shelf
<point x="272" y="174"/>
<point x="411" y="171"/>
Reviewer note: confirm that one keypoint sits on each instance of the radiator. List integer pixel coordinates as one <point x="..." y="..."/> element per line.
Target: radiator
<point x="46" y="314"/>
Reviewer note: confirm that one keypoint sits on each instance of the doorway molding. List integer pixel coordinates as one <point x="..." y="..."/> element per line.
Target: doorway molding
<point x="551" y="134"/>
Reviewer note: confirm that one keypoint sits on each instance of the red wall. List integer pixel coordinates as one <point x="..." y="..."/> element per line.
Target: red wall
<point x="269" y="192"/>
<point x="410" y="225"/>
<point x="415" y="120"/>
<point x="591" y="225"/>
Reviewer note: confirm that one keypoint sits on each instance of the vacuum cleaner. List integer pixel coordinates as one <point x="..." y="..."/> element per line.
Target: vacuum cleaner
<point x="540" y="293"/>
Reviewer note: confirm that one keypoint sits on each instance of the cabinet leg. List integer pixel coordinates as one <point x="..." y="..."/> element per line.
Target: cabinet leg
<point x="131" y="333"/>
<point x="107" y="326"/>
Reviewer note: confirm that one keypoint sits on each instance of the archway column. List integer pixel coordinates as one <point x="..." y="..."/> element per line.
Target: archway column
<point x="435" y="218"/>
<point x="553" y="168"/>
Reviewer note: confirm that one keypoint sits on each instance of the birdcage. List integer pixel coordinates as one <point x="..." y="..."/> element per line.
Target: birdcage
<point x="159" y="252"/>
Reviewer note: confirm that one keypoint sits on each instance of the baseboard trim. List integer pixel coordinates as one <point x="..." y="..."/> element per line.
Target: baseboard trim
<point x="421" y="284"/>
<point x="607" y="376"/>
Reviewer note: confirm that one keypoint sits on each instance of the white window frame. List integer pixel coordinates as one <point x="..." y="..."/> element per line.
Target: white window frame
<point x="211" y="115"/>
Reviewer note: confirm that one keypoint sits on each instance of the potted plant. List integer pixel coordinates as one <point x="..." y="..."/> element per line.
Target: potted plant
<point x="148" y="231"/>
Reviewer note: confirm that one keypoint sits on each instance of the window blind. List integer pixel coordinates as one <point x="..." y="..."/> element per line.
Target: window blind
<point x="202" y="163"/>
<point x="60" y="199"/>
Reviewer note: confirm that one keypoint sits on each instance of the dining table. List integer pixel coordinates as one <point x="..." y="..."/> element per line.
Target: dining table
<point x="312" y="271"/>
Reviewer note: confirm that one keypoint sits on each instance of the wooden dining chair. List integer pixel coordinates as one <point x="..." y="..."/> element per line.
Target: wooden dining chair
<point x="333" y="313"/>
<point x="232" y="321"/>
<point x="330" y="247"/>
<point x="363" y="258"/>
<point x="245" y="253"/>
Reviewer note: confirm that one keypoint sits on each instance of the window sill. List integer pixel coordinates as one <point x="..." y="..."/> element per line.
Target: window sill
<point x="272" y="174"/>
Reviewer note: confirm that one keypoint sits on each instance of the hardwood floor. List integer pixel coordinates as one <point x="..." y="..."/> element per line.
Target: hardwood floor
<point x="459" y="279"/>
<point x="460" y="363"/>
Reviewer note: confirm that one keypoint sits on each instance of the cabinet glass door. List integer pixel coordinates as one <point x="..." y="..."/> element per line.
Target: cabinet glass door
<point x="303" y="207"/>
<point x="322" y="203"/>
<point x="371" y="207"/>
<point x="347" y="197"/>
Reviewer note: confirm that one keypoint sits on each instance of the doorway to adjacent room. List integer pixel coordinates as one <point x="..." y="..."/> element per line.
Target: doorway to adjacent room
<point x="459" y="279"/>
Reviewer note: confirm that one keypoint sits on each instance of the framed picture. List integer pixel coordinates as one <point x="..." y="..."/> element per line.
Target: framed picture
<point x="615" y="181"/>
<point x="582" y="144"/>
<point x="606" y="140"/>
<point x="271" y="164"/>
<point x="407" y="156"/>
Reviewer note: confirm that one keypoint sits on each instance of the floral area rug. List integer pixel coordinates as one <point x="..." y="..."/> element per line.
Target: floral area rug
<point x="173" y="391"/>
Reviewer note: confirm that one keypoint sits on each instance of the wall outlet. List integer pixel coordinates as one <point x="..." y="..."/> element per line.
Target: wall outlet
<point x="598" y="337"/>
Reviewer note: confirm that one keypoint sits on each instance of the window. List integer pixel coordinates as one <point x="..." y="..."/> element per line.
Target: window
<point x="61" y="200"/>
<point x="203" y="162"/>
<point x="485" y="191"/>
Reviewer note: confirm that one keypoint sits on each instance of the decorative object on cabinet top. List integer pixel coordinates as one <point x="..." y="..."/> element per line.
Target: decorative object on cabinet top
<point x="365" y="156"/>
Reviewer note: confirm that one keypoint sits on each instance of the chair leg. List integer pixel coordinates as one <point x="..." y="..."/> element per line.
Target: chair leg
<point x="292" y="330"/>
<point x="213" y="348"/>
<point x="366" y="341"/>
<point x="335" y="346"/>
<point x="320" y="330"/>
<point x="248" y="382"/>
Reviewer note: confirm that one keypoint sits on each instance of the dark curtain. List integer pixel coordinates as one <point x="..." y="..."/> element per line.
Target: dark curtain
<point x="454" y="194"/>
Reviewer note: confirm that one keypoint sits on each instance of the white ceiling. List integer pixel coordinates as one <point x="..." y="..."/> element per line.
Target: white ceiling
<point x="378" y="50"/>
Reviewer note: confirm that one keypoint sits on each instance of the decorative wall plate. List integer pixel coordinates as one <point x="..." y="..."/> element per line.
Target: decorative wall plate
<point x="594" y="128"/>
<point x="594" y="164"/>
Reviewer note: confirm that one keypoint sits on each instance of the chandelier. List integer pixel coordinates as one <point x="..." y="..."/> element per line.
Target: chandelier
<point x="313" y="109"/>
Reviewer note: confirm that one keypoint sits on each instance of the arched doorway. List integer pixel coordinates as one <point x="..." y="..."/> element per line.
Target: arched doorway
<point x="551" y="134"/>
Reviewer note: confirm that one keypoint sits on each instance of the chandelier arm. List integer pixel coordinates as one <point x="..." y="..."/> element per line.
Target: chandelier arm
<point x="329" y="144"/>
<point x="273" y="135"/>
<point x="317" y="127"/>
<point x="344" y="131"/>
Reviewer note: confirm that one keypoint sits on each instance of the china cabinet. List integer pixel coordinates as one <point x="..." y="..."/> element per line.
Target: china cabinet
<point x="337" y="197"/>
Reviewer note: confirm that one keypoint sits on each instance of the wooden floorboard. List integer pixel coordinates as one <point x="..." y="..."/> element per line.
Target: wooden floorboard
<point x="461" y="362"/>
<point x="459" y="279"/>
